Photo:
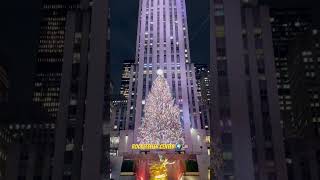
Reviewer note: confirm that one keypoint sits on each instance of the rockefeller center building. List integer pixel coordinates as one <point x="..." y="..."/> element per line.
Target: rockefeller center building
<point x="162" y="52"/>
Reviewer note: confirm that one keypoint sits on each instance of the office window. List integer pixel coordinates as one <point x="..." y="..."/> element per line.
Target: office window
<point x="261" y="66"/>
<point x="247" y="64"/>
<point x="221" y="52"/>
<point x="222" y="68"/>
<point x="226" y="138"/>
<point x="68" y="157"/>
<point x="269" y="154"/>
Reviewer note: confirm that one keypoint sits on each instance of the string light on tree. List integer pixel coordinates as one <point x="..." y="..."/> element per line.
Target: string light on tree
<point x="161" y="123"/>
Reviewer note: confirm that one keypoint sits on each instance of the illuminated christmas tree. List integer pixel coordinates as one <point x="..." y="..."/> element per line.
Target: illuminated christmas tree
<point x="161" y="123"/>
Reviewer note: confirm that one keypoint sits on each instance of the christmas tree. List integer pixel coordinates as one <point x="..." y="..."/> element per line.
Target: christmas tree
<point x="161" y="123"/>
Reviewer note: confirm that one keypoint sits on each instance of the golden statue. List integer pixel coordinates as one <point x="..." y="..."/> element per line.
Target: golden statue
<point x="158" y="170"/>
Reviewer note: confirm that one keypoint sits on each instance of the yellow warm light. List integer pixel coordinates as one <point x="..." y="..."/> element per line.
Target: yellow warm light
<point x="158" y="170"/>
<point x="152" y="146"/>
<point x="208" y="139"/>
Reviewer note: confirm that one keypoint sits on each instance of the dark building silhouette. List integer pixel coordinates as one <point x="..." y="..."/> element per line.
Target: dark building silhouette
<point x="119" y="102"/>
<point x="48" y="66"/>
<point x="287" y="24"/>
<point x="81" y="148"/>
<point x="119" y="113"/>
<point x="127" y="68"/>
<point x="4" y="134"/>
<point x="5" y="140"/>
<point x="28" y="142"/>
<point x="26" y="135"/>
<point x="304" y="73"/>
<point x="245" y="112"/>
<point x="71" y="86"/>
<point x="4" y="84"/>
<point x="202" y="73"/>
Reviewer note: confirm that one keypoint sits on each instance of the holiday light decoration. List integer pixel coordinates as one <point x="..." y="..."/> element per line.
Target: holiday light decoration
<point x="161" y="123"/>
<point x="158" y="170"/>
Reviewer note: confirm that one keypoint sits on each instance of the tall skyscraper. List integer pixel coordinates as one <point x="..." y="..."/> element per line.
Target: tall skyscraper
<point x="304" y="73"/>
<point x="119" y="113"/>
<point x="76" y="145"/>
<point x="29" y="145"/>
<point x="26" y="141"/>
<point x="162" y="43"/>
<point x="81" y="149"/>
<point x="287" y="24"/>
<point x="245" y="111"/>
<point x="119" y="103"/>
<point x="203" y="88"/>
<point x="26" y="134"/>
<point x="50" y="53"/>
<point x="125" y="77"/>
<point x="202" y="72"/>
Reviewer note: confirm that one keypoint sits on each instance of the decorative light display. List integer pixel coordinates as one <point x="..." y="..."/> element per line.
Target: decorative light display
<point x="161" y="123"/>
<point x="158" y="170"/>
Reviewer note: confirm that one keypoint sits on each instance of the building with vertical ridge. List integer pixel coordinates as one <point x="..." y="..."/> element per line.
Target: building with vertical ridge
<point x="125" y="77"/>
<point x="73" y="143"/>
<point x="303" y="149"/>
<point x="245" y="112"/>
<point x="287" y="24"/>
<point x="81" y="146"/>
<point x="202" y="73"/>
<point x="163" y="44"/>
<point x="48" y="65"/>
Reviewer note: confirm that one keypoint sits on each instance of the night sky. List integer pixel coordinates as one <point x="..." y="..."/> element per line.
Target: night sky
<point x="20" y="30"/>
